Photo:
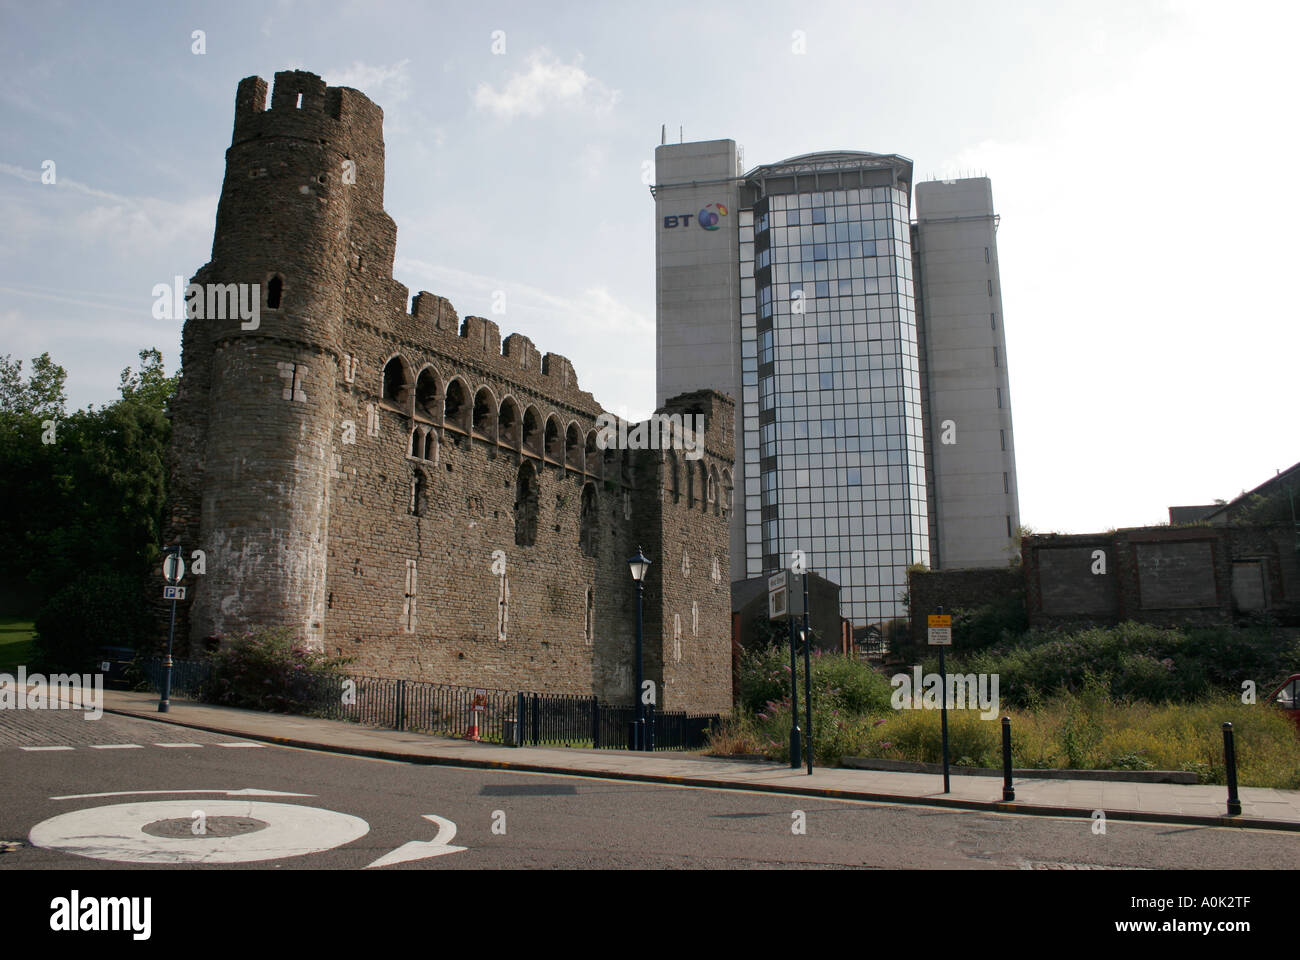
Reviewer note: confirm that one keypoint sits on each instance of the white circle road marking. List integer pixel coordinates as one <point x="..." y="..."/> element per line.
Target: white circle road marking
<point x="117" y="832"/>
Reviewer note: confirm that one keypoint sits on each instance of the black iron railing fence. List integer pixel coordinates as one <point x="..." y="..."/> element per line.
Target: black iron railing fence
<point x="497" y="716"/>
<point x="188" y="676"/>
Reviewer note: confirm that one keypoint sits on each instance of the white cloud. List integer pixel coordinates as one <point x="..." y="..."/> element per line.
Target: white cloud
<point x="111" y="219"/>
<point x="545" y="82"/>
<point x="382" y="83"/>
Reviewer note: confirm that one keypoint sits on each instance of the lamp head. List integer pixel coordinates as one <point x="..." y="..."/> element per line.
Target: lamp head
<point x="638" y="565"/>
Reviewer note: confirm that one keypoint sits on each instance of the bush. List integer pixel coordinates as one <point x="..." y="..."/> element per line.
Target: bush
<point x="96" y="610"/>
<point x="1005" y="620"/>
<point x="838" y="682"/>
<point x="845" y="694"/>
<point x="1136" y="661"/>
<point x="764" y="676"/>
<point x="269" y="669"/>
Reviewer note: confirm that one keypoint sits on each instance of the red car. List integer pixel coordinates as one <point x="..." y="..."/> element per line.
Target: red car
<point x="1287" y="696"/>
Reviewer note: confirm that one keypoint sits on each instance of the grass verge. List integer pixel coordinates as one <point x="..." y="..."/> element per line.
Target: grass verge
<point x="15" y="643"/>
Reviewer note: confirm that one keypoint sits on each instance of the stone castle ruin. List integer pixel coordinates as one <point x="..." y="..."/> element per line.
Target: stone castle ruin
<point x="404" y="487"/>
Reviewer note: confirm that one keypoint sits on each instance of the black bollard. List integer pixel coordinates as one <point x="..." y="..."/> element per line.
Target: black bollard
<point x="1008" y="791"/>
<point x="1230" y="764"/>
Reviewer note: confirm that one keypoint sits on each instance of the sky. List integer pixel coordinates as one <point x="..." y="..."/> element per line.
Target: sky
<point x="1147" y="246"/>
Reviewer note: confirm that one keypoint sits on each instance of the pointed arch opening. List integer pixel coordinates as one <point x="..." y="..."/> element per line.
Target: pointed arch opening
<point x="456" y="407"/>
<point x="426" y="395"/>
<point x="508" y="424"/>
<point x="419" y="493"/>
<point x="573" y="451"/>
<point x="485" y="414"/>
<point x="589" y="525"/>
<point x="396" y="383"/>
<point x="274" y="291"/>
<point x="532" y="431"/>
<point x="554" y="439"/>
<point x="526" y="500"/>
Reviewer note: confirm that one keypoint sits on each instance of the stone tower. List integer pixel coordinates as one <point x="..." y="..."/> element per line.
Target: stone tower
<point x="256" y="408"/>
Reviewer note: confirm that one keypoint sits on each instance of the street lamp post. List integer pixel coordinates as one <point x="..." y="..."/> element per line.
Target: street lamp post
<point x="639" y="565"/>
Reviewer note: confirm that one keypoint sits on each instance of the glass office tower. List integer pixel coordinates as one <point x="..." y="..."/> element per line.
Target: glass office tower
<point x="830" y="383"/>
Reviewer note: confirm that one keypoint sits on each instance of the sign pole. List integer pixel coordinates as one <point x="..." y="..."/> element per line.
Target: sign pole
<point x="939" y="635"/>
<point x="173" y="572"/>
<point x="807" y="668"/>
<point x="943" y="678"/>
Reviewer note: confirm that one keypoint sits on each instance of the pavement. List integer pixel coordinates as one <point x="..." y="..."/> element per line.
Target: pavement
<point x="1204" y="805"/>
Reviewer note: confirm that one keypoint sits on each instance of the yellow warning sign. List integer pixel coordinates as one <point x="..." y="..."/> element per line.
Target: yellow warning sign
<point x="940" y="620"/>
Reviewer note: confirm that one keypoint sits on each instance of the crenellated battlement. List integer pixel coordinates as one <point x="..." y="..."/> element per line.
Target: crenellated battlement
<point x="298" y="94"/>
<point x="434" y="320"/>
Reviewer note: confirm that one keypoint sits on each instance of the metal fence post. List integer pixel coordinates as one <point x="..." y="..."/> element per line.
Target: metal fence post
<point x="519" y="720"/>
<point x="595" y="723"/>
<point x="537" y="721"/>
<point x="1008" y="791"/>
<point x="399" y="708"/>
<point x="1230" y="765"/>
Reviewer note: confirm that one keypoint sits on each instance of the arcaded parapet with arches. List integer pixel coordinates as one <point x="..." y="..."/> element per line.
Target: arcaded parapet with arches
<point x="406" y="487"/>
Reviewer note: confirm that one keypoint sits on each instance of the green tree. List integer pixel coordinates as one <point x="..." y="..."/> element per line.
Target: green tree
<point x="1276" y="507"/>
<point x="42" y="396"/>
<point x="91" y="500"/>
<point x="150" y="385"/>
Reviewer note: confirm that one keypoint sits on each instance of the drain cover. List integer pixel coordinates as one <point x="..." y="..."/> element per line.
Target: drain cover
<point x="181" y="827"/>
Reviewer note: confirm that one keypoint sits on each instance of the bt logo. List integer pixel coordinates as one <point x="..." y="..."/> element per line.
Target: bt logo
<point x="707" y="218"/>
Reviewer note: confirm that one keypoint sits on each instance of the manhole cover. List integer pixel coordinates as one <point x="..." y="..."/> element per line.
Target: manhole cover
<point x="182" y="827"/>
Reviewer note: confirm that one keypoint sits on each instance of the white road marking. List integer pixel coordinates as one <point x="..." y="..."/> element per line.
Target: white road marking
<point x="116" y="746"/>
<point x="245" y="792"/>
<point x="178" y="744"/>
<point x="243" y="744"/>
<point x="35" y="749"/>
<point x="117" y="832"/>
<point x="422" y="849"/>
